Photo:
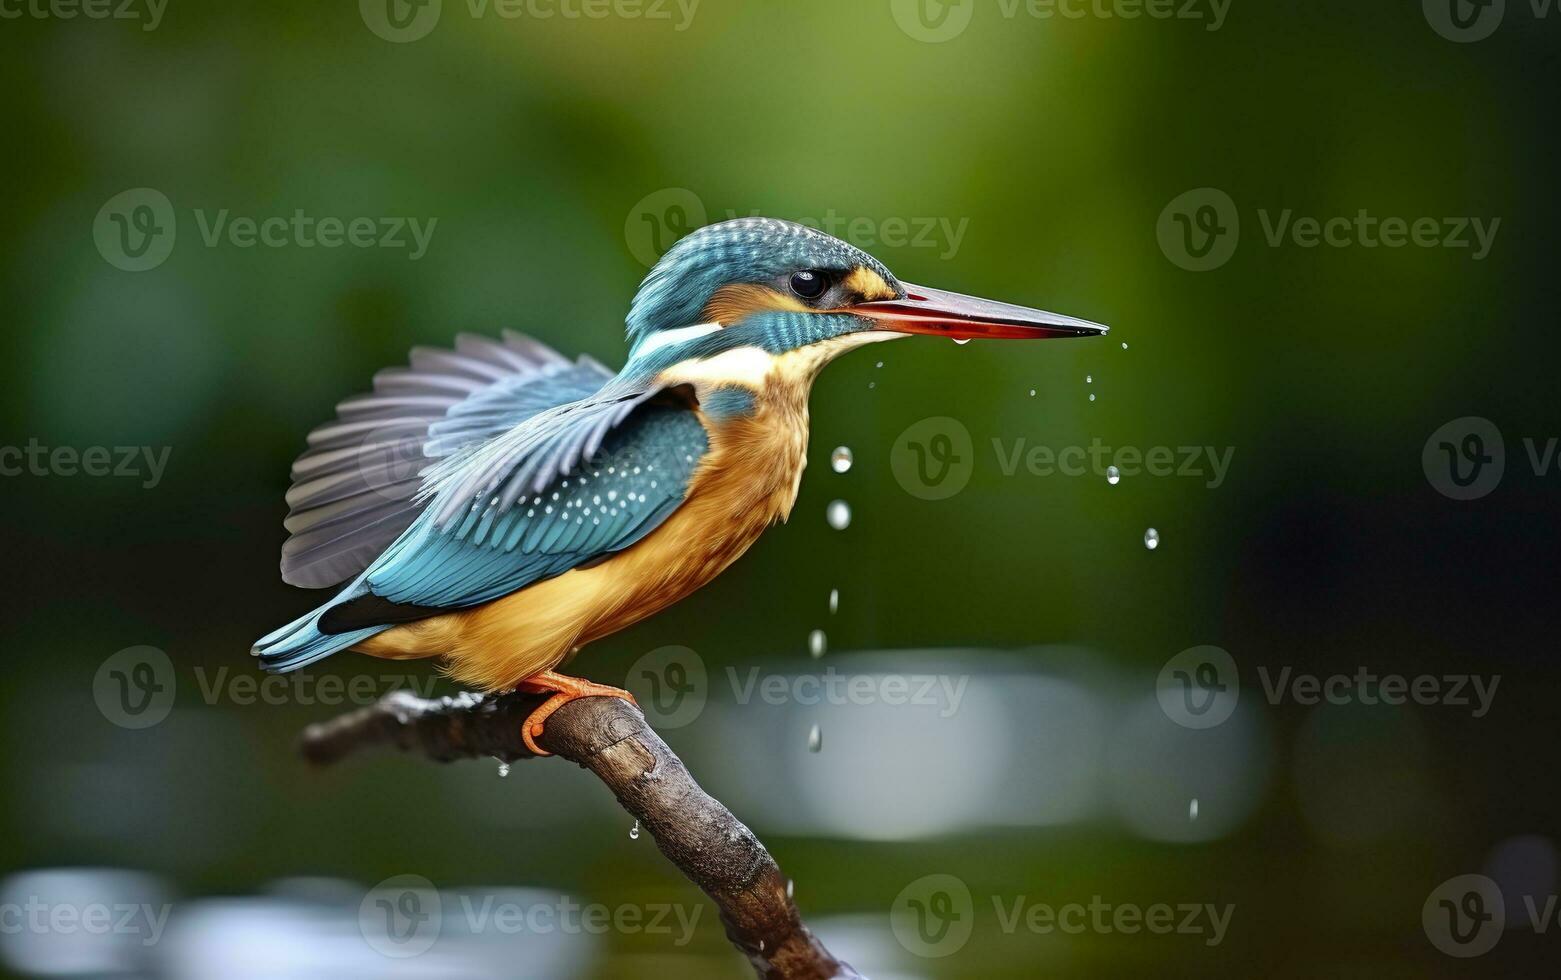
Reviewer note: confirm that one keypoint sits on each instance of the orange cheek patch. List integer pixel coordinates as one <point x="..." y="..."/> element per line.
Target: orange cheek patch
<point x="732" y="304"/>
<point x="869" y="285"/>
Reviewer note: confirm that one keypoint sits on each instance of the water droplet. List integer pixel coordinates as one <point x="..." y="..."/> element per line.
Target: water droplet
<point x="503" y="770"/>
<point x="961" y="341"/>
<point x="791" y="888"/>
<point x="1089" y="379"/>
<point x="1113" y="475"/>
<point x="1092" y="396"/>
<point x="634" y="831"/>
<point x="1124" y="345"/>
<point x="879" y="364"/>
<point x="1032" y="392"/>
<point x="1192" y="809"/>
<point x="1151" y="539"/>
<point x="815" y="739"/>
<point x="838" y="515"/>
<point x="872" y="384"/>
<point x="834" y="601"/>
<point x="817" y="643"/>
<point x="840" y="460"/>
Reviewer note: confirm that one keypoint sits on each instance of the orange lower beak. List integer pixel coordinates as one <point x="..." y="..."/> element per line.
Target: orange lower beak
<point x="945" y="314"/>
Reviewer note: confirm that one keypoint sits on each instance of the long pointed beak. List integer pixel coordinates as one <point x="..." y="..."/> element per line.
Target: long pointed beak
<point x="935" y="311"/>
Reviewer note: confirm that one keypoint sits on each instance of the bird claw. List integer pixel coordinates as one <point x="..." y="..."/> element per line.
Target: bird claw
<point x="565" y="689"/>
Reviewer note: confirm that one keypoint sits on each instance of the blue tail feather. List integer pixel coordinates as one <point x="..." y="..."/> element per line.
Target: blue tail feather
<point x="301" y="642"/>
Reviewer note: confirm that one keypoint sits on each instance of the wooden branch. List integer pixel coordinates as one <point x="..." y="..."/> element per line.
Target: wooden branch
<point x="610" y="737"/>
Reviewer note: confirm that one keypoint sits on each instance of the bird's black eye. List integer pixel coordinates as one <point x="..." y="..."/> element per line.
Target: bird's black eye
<point x="808" y="285"/>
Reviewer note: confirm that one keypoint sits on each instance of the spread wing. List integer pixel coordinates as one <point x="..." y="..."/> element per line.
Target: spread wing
<point x="565" y="488"/>
<point x="359" y="486"/>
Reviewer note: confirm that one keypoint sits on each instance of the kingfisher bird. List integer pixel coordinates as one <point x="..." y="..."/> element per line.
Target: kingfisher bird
<point x="547" y="503"/>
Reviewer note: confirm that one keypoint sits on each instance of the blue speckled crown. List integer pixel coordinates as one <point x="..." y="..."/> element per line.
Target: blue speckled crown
<point x="742" y="250"/>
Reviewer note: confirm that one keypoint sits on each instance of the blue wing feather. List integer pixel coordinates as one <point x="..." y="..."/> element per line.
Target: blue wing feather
<point x="620" y="493"/>
<point x="359" y="485"/>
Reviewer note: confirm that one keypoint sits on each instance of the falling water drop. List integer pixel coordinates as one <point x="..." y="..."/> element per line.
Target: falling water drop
<point x="1092" y="396"/>
<point x="834" y="601"/>
<point x="1124" y="345"/>
<point x="838" y="514"/>
<point x="817" y="643"/>
<point x="1151" y="539"/>
<point x="879" y="364"/>
<point x="503" y="770"/>
<point x="1192" y="809"/>
<point x="791" y="888"/>
<point x="872" y="384"/>
<point x="1032" y="392"/>
<point x="634" y="831"/>
<point x="840" y="460"/>
<point x="1113" y="475"/>
<point x="1089" y="379"/>
<point x="815" y="739"/>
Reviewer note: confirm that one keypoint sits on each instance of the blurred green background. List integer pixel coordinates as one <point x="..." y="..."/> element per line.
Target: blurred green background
<point x="976" y="146"/>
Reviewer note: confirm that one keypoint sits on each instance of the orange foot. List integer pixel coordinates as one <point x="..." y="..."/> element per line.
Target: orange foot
<point x="565" y="689"/>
